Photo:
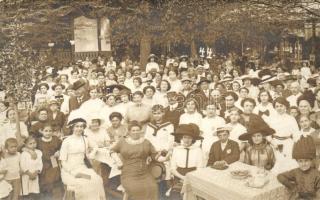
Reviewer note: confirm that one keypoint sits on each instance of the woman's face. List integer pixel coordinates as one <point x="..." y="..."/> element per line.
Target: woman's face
<point x="135" y="132"/>
<point x="137" y="99"/>
<point x="247" y="83"/>
<point x="136" y="83"/>
<point x="304" y="107"/>
<point x="280" y="108"/>
<point x="95" y="124"/>
<point x="235" y="73"/>
<point x="31" y="144"/>
<point x="294" y="112"/>
<point x="264" y="97"/>
<point x="47" y="132"/>
<point x="93" y="94"/>
<point x="63" y="79"/>
<point x="257" y="138"/>
<point x="191" y="106"/>
<point x="164" y="86"/>
<point x="43" y="115"/>
<point x="111" y="100"/>
<point x="58" y="90"/>
<point x="305" y="122"/>
<point x="75" y="75"/>
<point x="149" y="93"/>
<point x="248" y="107"/>
<point x="111" y="76"/>
<point x="235" y="86"/>
<point x="234" y="116"/>
<point x="43" y="89"/>
<point x="116" y="91"/>
<point x="78" y="128"/>
<point x="243" y="93"/>
<point x="222" y="74"/>
<point x="12" y="115"/>
<point x="187" y="140"/>
<point x="115" y="122"/>
<point x="128" y="74"/>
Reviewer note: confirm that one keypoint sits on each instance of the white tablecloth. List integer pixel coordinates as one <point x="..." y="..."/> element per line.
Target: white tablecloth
<point x="212" y="184"/>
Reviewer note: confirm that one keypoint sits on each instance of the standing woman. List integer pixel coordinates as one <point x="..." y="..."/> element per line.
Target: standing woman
<point x="74" y="173"/>
<point x="135" y="151"/>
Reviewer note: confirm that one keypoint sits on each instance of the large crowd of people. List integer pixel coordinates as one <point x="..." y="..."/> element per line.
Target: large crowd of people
<point x="100" y="125"/>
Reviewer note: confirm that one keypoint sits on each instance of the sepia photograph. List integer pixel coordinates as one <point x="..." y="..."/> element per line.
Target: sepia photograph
<point x="159" y="99"/>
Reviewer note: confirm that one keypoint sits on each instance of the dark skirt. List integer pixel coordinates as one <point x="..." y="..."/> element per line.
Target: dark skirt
<point x="143" y="187"/>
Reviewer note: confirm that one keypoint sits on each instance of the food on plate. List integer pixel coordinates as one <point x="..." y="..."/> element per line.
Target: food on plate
<point x="257" y="182"/>
<point x="240" y="174"/>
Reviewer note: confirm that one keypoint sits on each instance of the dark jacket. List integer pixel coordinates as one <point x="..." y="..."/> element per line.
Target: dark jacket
<point x="230" y="154"/>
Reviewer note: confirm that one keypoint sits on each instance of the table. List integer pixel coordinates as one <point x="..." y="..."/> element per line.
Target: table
<point x="211" y="184"/>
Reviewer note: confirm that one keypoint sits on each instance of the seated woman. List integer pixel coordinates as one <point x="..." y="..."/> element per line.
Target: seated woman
<point x="259" y="152"/>
<point x="74" y="173"/>
<point x="135" y="151"/>
<point x="186" y="157"/>
<point x="224" y="151"/>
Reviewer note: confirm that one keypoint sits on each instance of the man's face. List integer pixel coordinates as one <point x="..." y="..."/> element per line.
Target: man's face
<point x="43" y="115"/>
<point x="229" y="101"/>
<point x="80" y="91"/>
<point x="172" y="99"/>
<point x="204" y="86"/>
<point x="186" y="85"/>
<point x="157" y="115"/>
<point x="223" y="136"/>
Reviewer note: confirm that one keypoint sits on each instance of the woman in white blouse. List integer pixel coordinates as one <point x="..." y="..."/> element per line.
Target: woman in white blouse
<point x="265" y="108"/>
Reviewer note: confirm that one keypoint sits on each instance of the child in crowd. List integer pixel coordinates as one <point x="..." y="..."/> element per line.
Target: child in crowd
<point x="50" y="180"/>
<point x="12" y="159"/>
<point x="5" y="187"/>
<point x="30" y="168"/>
<point x="304" y="181"/>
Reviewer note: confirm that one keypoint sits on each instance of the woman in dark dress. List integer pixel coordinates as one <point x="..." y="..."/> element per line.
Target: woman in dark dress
<point x="135" y="177"/>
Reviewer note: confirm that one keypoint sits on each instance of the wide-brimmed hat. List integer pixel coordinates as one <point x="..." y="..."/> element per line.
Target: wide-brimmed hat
<point x="152" y="56"/>
<point x="275" y="83"/>
<point x="191" y="130"/>
<point x="78" y="84"/>
<point x="183" y="57"/>
<point x="257" y="128"/>
<point x="77" y="120"/>
<point x="267" y="79"/>
<point x="58" y="84"/>
<point x="186" y="79"/>
<point x="226" y="78"/>
<point x="43" y="84"/>
<point x="254" y="80"/>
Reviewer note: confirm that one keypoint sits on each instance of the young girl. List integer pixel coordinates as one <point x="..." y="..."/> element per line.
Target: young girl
<point x="50" y="181"/>
<point x="6" y="188"/>
<point x="304" y="181"/>
<point x="30" y="168"/>
<point x="186" y="157"/>
<point x="191" y="114"/>
<point x="12" y="159"/>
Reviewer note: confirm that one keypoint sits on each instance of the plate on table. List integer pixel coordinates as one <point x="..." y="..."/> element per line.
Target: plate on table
<point x="240" y="174"/>
<point x="219" y="167"/>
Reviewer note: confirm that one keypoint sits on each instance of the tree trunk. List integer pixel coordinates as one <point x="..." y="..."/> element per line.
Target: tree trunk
<point x="193" y="48"/>
<point x="145" y="48"/>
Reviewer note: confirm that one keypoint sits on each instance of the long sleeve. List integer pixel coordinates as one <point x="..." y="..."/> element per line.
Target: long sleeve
<point x="288" y="179"/>
<point x="271" y="157"/>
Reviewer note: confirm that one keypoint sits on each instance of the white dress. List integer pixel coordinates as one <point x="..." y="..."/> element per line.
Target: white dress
<point x="6" y="188"/>
<point x="72" y="155"/>
<point x="194" y="118"/>
<point x="28" y="164"/>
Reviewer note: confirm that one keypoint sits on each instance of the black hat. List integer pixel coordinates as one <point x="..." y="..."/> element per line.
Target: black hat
<point x="115" y="114"/>
<point x="78" y="84"/>
<point x="76" y="120"/>
<point x="188" y="129"/>
<point x="58" y="84"/>
<point x="257" y="128"/>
